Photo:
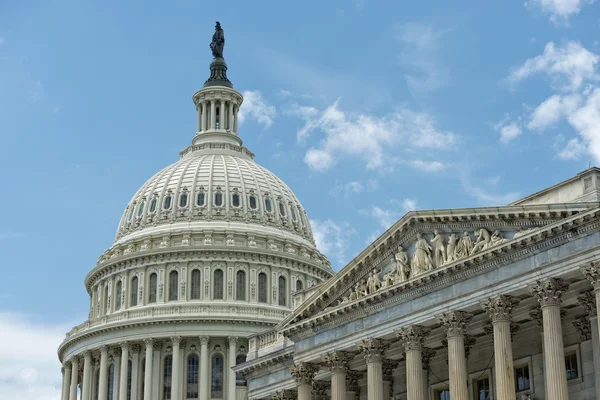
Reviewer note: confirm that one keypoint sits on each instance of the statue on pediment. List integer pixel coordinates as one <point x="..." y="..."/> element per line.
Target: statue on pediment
<point x="482" y="241"/>
<point x="388" y="280"/>
<point x="439" y="250"/>
<point x="421" y="260"/>
<point x="497" y="238"/>
<point x="361" y="288"/>
<point x="451" y="247"/>
<point x="400" y="266"/>
<point x="373" y="282"/>
<point x="464" y="247"/>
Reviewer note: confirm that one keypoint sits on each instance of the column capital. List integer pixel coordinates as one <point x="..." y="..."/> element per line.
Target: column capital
<point x="175" y="340"/>
<point x="103" y="350"/>
<point x="74" y="360"/>
<point x="337" y="360"/>
<point x="285" y="395"/>
<point x="232" y="341"/>
<point x="135" y="348"/>
<point x="469" y="343"/>
<point x="549" y="291"/>
<point x="413" y="336"/>
<point x="372" y="349"/>
<point x="304" y="372"/>
<point x="427" y="353"/>
<point x="87" y="354"/>
<point x="157" y="345"/>
<point x="204" y="340"/>
<point x="67" y="364"/>
<point x="500" y="307"/>
<point x="125" y="345"/>
<point x="116" y="352"/>
<point x="536" y="316"/>
<point x="584" y="327"/>
<point x="592" y="272"/>
<point x="588" y="302"/>
<point x="454" y="322"/>
<point x="149" y="342"/>
<point x="353" y="380"/>
<point x="388" y="367"/>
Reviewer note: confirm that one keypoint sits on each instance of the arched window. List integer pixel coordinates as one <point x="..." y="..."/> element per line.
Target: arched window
<point x="216" y="381"/>
<point x="218" y="284"/>
<point x="134" y="291"/>
<point x="235" y="200"/>
<point x="183" y="199"/>
<point x="111" y="381"/>
<point x="141" y="208"/>
<point x="128" y="379"/>
<point x="167" y="202"/>
<point x="268" y="205"/>
<point x="239" y="378"/>
<point x="196" y="284"/>
<point x="262" y="287"/>
<point x="240" y="285"/>
<point x="192" y="376"/>
<point x="282" y="291"/>
<point x="152" y="289"/>
<point x="118" y="295"/>
<point x="298" y="284"/>
<point x="167" y="373"/>
<point x="173" y="282"/>
<point x="218" y="199"/>
<point x="200" y="199"/>
<point x="252" y="201"/>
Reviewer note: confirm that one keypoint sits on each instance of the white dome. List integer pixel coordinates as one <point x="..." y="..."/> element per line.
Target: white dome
<point x="214" y="183"/>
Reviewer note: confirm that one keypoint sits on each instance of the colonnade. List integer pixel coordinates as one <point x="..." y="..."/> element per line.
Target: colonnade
<point x="80" y="371"/>
<point x="227" y="118"/>
<point x="547" y="291"/>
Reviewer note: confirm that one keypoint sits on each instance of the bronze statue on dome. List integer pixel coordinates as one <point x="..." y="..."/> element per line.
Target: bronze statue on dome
<point x="218" y="41"/>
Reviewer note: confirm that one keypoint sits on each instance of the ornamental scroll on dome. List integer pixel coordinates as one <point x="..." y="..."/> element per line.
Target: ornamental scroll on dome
<point x="429" y="252"/>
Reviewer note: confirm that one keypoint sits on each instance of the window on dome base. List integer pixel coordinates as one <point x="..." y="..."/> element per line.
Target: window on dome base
<point x="167" y="202"/>
<point x="192" y="377"/>
<point x="153" y="205"/>
<point x="252" y="201"/>
<point x="119" y="292"/>
<point x="134" y="291"/>
<point x="216" y="387"/>
<point x="262" y="287"/>
<point x="195" y="291"/>
<point x="141" y="208"/>
<point x="240" y="289"/>
<point x="218" y="285"/>
<point x="235" y="200"/>
<point x="200" y="199"/>
<point x="239" y="378"/>
<point x="152" y="291"/>
<point x="282" y="291"/>
<point x="183" y="199"/>
<point x="218" y="199"/>
<point x="268" y="205"/>
<point x="282" y="209"/>
<point x="167" y="377"/>
<point x="173" y="283"/>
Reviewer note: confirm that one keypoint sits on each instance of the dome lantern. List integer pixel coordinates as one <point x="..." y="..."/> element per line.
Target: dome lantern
<point x="217" y="103"/>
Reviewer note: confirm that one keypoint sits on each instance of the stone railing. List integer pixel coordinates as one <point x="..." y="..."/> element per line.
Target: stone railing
<point x="185" y="311"/>
<point x="265" y="343"/>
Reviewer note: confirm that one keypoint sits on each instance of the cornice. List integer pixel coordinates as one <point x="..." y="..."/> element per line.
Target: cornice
<point x="511" y="251"/>
<point x="263" y="365"/>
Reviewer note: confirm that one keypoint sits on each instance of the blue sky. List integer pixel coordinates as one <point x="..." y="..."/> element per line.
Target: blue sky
<point x="366" y="109"/>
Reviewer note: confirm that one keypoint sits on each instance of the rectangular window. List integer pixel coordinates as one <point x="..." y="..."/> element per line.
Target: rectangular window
<point x="442" y="394"/>
<point x="522" y="381"/>
<point x="571" y="365"/>
<point x="482" y="389"/>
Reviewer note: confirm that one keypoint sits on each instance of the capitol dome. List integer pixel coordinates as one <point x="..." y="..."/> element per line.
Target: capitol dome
<point x="208" y="252"/>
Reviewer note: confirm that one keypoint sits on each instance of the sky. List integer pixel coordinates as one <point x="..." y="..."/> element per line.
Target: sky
<point x="366" y="109"/>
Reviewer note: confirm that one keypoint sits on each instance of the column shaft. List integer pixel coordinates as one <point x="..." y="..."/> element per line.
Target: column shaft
<point x="230" y="395"/>
<point x="554" y="357"/>
<point x="213" y="115"/>
<point x="204" y="389"/>
<point x="124" y="371"/>
<point x="235" y="119"/>
<point x="414" y="374"/>
<point x="74" y="378"/>
<point x="457" y="363"/>
<point x="304" y="391"/>
<point x="387" y="390"/>
<point x="116" y="377"/>
<point x="87" y="373"/>
<point x="199" y="112"/>
<point x="135" y="367"/>
<point x="66" y="383"/>
<point x="338" y="384"/>
<point x="103" y="377"/>
<point x="374" y="380"/>
<point x="176" y="366"/>
<point x="148" y="371"/>
<point x="204" y="115"/>
<point x="222" y="115"/>
<point x="503" y="361"/>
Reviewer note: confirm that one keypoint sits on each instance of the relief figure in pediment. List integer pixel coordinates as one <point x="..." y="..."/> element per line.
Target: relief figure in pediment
<point x="361" y="289"/>
<point x="464" y="247"/>
<point x="421" y="261"/>
<point x="400" y="267"/>
<point x="373" y="282"/>
<point x="439" y="250"/>
<point x="497" y="238"/>
<point x="482" y="242"/>
<point x="451" y="248"/>
<point x="388" y="280"/>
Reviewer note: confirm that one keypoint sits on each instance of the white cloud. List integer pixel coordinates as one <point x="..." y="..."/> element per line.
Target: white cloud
<point x="332" y="238"/>
<point x="509" y="132"/>
<point x="347" y="188"/>
<point x="368" y="137"/>
<point x="586" y="120"/>
<point x="256" y="108"/>
<point x="385" y="217"/>
<point x="409" y="204"/>
<point x="428" y="166"/>
<point x="559" y="10"/>
<point x="567" y="66"/>
<point x="551" y="110"/>
<point x="29" y="366"/>
<point x="420" y="45"/>
<point x="572" y="150"/>
<point x="485" y="196"/>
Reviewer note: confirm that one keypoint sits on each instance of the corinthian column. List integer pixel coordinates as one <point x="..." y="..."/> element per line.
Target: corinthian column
<point x="454" y="322"/>
<point x="373" y="350"/>
<point x="303" y="374"/>
<point x="135" y="364"/>
<point x="337" y="362"/>
<point x="87" y="371"/>
<point x="149" y="343"/>
<point x="549" y="292"/>
<point x="592" y="272"/>
<point x="499" y="309"/>
<point x="203" y="387"/>
<point x="176" y="365"/>
<point x="66" y="381"/>
<point x="232" y="342"/>
<point x="74" y="378"/>
<point x="124" y="368"/>
<point x="588" y="301"/>
<point x="412" y="337"/>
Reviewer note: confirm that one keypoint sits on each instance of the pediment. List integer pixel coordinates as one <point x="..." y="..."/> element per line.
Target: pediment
<point x="424" y="244"/>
